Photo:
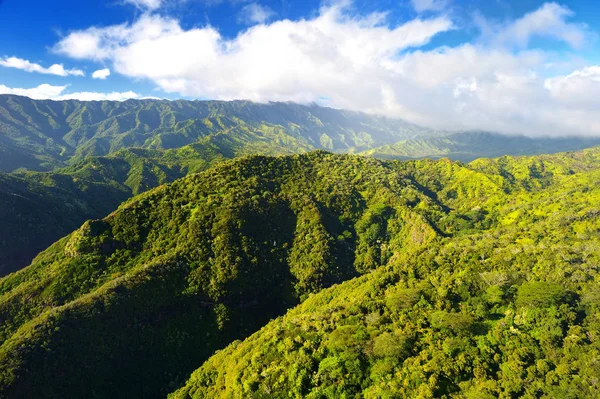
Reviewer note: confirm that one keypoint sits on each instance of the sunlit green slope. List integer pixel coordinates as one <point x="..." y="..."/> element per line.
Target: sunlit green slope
<point x="510" y="311"/>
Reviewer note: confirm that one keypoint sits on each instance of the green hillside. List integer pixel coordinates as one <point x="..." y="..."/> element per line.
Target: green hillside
<point x="496" y="259"/>
<point x="97" y="154"/>
<point x="44" y="134"/>
<point x="38" y="208"/>
<point x="508" y="311"/>
<point x="193" y="265"/>
<point x="468" y="146"/>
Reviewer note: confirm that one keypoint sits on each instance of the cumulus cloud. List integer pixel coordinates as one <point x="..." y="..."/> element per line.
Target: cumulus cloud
<point x="255" y="13"/>
<point x="580" y="89"/>
<point x="50" y="92"/>
<point x="364" y="63"/>
<point x="550" y="20"/>
<point x="101" y="74"/>
<point x="56" y="69"/>
<point x="285" y="60"/>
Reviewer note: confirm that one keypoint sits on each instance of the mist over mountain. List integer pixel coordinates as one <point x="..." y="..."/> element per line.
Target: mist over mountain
<point x="468" y="146"/>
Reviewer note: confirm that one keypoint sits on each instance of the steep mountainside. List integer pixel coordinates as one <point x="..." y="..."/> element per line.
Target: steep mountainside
<point x="188" y="267"/>
<point x="129" y="305"/>
<point x="41" y="207"/>
<point x="43" y="135"/>
<point x="38" y="208"/>
<point x="468" y="146"/>
<point x="511" y="311"/>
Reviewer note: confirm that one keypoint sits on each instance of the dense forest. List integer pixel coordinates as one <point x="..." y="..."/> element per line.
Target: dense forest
<point x="478" y="280"/>
<point x="64" y="162"/>
<point x="510" y="310"/>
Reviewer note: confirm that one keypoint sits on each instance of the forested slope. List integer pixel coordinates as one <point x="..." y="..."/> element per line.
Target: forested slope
<point x="510" y="311"/>
<point x="494" y="260"/>
<point x="45" y="134"/>
<point x="188" y="267"/>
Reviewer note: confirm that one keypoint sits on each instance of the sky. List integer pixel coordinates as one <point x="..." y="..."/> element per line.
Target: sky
<point x="516" y="67"/>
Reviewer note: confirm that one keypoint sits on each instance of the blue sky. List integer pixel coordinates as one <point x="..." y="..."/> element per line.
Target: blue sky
<point x="524" y="66"/>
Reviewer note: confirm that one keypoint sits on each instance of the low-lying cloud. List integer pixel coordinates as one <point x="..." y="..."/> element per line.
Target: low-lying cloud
<point x="50" y="92"/>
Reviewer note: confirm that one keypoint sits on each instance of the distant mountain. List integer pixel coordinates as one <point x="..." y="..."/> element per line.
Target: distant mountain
<point x="44" y="134"/>
<point x="480" y="279"/>
<point x="467" y="146"/>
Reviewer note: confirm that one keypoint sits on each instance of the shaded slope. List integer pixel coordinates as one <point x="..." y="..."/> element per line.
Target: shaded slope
<point x="38" y="208"/>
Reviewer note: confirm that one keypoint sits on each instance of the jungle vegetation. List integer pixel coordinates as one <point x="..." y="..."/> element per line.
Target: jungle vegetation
<point x="324" y="276"/>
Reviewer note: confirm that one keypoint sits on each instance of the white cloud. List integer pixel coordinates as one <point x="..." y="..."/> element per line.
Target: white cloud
<point x="101" y="74"/>
<point x="56" y="69"/>
<point x="146" y="4"/>
<point x="429" y="5"/>
<point x="363" y="63"/>
<point x="580" y="89"/>
<point x="293" y="60"/>
<point x="550" y="20"/>
<point x="95" y="96"/>
<point x="50" y="92"/>
<point x="41" y="92"/>
<point x="255" y="13"/>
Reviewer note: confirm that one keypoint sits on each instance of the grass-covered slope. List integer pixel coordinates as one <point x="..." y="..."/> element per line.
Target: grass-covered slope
<point x="468" y="146"/>
<point x="511" y="311"/>
<point x="44" y="134"/>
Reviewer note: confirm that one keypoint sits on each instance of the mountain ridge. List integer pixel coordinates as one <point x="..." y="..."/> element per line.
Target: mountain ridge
<point x="52" y="133"/>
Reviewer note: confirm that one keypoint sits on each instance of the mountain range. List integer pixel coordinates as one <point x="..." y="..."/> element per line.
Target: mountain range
<point x="43" y="134"/>
<point x="203" y="249"/>
<point x="68" y="161"/>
